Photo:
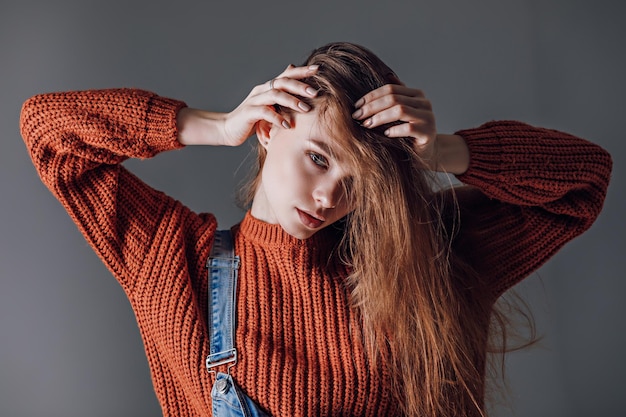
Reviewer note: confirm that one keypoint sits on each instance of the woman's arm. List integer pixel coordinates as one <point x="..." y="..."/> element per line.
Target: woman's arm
<point x="200" y="127"/>
<point x="532" y="190"/>
<point x="77" y="141"/>
<point x="451" y="154"/>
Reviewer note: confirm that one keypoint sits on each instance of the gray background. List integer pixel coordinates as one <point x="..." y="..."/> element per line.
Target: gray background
<point x="70" y="346"/>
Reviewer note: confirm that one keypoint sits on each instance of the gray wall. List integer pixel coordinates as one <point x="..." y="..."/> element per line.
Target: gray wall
<point x="70" y="346"/>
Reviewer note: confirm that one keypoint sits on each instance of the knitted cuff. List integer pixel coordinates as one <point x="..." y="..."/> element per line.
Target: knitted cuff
<point x="161" y="128"/>
<point x="486" y="155"/>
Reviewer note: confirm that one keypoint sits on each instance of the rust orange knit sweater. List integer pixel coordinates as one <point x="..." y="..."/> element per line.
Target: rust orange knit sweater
<point x="300" y="353"/>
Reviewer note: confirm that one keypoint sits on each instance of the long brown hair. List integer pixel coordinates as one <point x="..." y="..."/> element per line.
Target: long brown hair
<point x="424" y="312"/>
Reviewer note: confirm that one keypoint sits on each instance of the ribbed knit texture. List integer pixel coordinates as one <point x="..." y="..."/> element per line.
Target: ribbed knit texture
<point x="300" y="345"/>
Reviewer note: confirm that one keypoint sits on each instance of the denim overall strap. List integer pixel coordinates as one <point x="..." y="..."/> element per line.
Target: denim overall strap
<point x="223" y="268"/>
<point x="228" y="400"/>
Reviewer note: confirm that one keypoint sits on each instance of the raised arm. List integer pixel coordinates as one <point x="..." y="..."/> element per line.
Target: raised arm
<point x="532" y="190"/>
<point x="77" y="141"/>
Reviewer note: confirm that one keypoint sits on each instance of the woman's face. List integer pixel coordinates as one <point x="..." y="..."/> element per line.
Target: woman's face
<point x="301" y="185"/>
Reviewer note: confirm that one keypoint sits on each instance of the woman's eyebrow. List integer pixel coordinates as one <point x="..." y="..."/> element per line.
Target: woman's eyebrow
<point x="324" y="147"/>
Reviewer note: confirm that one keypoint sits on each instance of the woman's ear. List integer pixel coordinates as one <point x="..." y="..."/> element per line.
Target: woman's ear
<point x="264" y="132"/>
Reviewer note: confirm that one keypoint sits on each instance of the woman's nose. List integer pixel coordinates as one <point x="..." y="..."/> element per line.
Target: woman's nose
<point x="327" y="195"/>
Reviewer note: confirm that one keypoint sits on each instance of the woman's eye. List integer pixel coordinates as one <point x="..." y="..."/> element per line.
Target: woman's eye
<point x="318" y="159"/>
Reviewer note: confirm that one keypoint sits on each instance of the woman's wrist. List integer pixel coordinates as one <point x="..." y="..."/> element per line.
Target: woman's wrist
<point x="451" y="154"/>
<point x="199" y="127"/>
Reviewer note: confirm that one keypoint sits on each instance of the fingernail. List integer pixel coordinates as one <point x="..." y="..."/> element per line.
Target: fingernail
<point x="359" y="103"/>
<point x="357" y="113"/>
<point x="387" y="132"/>
<point x="311" y="91"/>
<point x="313" y="67"/>
<point x="304" y="106"/>
<point x="367" y="122"/>
<point x="286" y="124"/>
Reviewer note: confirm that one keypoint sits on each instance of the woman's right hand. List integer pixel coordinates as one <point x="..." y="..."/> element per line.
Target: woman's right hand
<point x="232" y="129"/>
<point x="240" y="124"/>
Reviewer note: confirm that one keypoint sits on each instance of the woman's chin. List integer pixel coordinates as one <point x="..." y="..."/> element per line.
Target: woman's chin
<point x="298" y="231"/>
<point x="300" y="234"/>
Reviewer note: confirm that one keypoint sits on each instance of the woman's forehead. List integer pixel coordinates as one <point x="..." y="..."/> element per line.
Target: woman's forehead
<point x="322" y="130"/>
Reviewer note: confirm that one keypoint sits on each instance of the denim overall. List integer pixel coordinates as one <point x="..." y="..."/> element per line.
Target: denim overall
<point x="228" y="399"/>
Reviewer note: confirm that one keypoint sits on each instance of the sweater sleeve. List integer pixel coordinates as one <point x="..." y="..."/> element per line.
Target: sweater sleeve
<point x="530" y="190"/>
<point x="77" y="141"/>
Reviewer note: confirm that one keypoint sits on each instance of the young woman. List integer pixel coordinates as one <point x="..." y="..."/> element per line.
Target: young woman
<point x="363" y="290"/>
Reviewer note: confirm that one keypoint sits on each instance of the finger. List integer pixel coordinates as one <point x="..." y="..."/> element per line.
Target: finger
<point x="293" y="86"/>
<point x="398" y="113"/>
<point x="291" y="72"/>
<point x="389" y="101"/>
<point x="421" y="131"/>
<point x="386" y="90"/>
<point x="276" y="96"/>
<point x="270" y="115"/>
<point x="298" y="72"/>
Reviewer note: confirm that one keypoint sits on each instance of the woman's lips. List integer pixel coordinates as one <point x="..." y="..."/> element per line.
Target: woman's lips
<point x="308" y="220"/>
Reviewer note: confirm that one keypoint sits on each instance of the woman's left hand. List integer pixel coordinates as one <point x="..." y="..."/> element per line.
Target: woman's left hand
<point x="395" y="102"/>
